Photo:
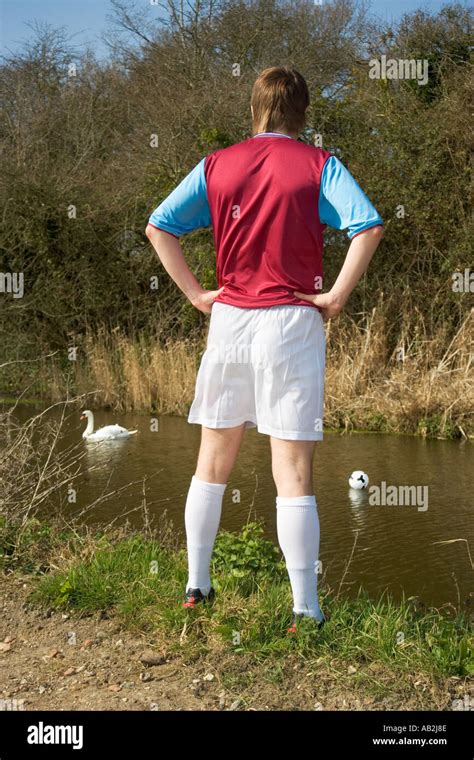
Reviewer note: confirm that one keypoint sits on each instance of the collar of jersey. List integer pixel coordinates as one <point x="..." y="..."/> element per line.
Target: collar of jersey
<point x="272" y="134"/>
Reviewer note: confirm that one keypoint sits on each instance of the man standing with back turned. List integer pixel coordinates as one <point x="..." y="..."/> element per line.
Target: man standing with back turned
<point x="268" y="199"/>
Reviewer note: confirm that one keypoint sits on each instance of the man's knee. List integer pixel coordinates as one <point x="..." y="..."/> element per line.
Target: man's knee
<point x="217" y="453"/>
<point x="295" y="479"/>
<point x="292" y="466"/>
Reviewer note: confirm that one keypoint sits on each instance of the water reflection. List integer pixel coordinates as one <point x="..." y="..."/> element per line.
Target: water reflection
<point x="359" y="503"/>
<point x="100" y="454"/>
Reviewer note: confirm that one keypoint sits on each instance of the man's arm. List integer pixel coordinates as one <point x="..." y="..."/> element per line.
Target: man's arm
<point x="184" y="210"/>
<point x="358" y="258"/>
<point x="344" y="205"/>
<point x="171" y="256"/>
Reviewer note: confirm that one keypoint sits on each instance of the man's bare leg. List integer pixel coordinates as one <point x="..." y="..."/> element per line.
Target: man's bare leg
<point x="217" y="455"/>
<point x="298" y="522"/>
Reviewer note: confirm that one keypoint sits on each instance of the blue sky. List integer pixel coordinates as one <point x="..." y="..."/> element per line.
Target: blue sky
<point x="87" y="19"/>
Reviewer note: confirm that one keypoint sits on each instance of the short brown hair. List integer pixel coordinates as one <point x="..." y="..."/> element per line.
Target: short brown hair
<point x="279" y="100"/>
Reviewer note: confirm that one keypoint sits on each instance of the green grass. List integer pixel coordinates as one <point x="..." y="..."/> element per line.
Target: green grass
<point x="142" y="580"/>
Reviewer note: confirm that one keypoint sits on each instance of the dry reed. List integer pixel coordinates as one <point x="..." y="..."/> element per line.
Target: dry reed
<point x="413" y="383"/>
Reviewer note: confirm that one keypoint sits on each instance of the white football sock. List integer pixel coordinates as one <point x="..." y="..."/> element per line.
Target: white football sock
<point x="298" y="535"/>
<point x="202" y="516"/>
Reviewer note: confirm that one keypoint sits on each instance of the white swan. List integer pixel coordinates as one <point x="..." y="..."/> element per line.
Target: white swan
<point x="107" y="433"/>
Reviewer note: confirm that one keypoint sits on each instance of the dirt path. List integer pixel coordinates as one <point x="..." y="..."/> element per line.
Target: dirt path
<point x="52" y="661"/>
<point x="56" y="662"/>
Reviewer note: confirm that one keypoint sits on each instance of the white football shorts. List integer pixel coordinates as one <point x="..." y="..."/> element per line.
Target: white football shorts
<point x="264" y="368"/>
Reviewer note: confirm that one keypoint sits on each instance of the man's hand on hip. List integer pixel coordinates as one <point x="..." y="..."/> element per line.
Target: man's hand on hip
<point x="328" y="304"/>
<point x="204" y="300"/>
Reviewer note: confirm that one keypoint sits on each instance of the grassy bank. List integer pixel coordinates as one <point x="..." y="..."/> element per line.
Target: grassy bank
<point x="380" y="376"/>
<point x="139" y="577"/>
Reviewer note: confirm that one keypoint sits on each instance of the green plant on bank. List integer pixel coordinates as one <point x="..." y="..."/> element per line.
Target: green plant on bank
<point x="433" y="426"/>
<point x="377" y="423"/>
<point x="246" y="558"/>
<point x="142" y="580"/>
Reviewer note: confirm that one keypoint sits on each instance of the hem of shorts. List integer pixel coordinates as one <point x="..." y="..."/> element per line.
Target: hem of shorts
<point x="290" y="435"/>
<point x="286" y="435"/>
<point x="218" y="424"/>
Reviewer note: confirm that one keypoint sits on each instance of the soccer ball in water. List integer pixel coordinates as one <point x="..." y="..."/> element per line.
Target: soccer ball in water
<point x="359" y="480"/>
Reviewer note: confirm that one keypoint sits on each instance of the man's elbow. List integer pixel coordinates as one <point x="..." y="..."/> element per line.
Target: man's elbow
<point x="370" y="233"/>
<point x="155" y="233"/>
<point x="150" y="231"/>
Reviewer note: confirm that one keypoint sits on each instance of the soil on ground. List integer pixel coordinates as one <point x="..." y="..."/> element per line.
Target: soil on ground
<point x="51" y="660"/>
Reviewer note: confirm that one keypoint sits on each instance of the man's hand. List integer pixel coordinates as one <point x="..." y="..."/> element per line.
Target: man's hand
<point x="361" y="250"/>
<point x="328" y="303"/>
<point x="171" y="256"/>
<point x="204" y="300"/>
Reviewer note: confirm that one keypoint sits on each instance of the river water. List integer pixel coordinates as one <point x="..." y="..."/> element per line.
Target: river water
<point x="396" y="546"/>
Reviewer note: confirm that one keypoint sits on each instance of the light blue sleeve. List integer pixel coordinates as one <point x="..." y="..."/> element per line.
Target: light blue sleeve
<point x="342" y="203"/>
<point x="186" y="208"/>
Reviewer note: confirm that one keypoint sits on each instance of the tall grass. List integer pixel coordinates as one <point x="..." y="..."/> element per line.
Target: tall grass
<point x="410" y="383"/>
<point x="380" y="376"/>
<point x="139" y="374"/>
